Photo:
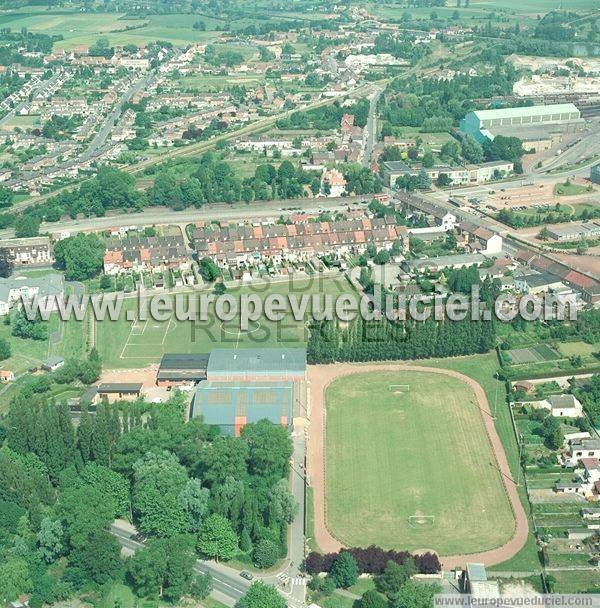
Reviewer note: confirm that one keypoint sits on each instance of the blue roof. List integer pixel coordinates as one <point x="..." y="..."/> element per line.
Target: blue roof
<point x="257" y="361"/>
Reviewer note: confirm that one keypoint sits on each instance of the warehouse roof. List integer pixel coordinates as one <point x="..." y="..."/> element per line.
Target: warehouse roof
<point x="526" y="111"/>
<point x="120" y="387"/>
<point x="184" y="361"/>
<point x="258" y="361"/>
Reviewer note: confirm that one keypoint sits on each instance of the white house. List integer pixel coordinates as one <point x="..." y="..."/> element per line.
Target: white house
<point x="47" y="289"/>
<point x="582" y="448"/>
<point x="565" y="406"/>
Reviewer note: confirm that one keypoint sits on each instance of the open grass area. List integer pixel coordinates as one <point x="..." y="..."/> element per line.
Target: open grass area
<point x="134" y="343"/>
<point x="568" y="189"/>
<point x="79" y="28"/>
<point x="483" y="368"/>
<point x="26" y="353"/>
<point x="576" y="581"/>
<point x="406" y="466"/>
<point x="583" y="349"/>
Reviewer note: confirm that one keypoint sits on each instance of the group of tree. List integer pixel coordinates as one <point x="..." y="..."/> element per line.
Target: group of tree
<point x="555" y="215"/>
<point x="383" y="340"/>
<point x="326" y="118"/>
<point x="371" y="560"/>
<point x="589" y="395"/>
<point x="436" y="105"/>
<point x="61" y="127"/>
<point x="213" y="181"/>
<point x="394" y="587"/>
<point x="80" y="256"/>
<point x="190" y="490"/>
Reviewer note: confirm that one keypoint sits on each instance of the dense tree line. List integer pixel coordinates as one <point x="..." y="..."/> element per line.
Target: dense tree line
<point x="372" y="560"/>
<point x="325" y="118"/>
<point x="213" y="181"/>
<point x="384" y="340"/>
<point x="429" y="103"/>
<point x="189" y="489"/>
<point x="515" y="219"/>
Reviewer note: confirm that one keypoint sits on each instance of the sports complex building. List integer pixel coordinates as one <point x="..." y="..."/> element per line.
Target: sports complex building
<point x="526" y="122"/>
<point x="251" y="384"/>
<point x="272" y="364"/>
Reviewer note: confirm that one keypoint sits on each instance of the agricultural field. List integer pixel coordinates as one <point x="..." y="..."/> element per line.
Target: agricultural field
<point x="536" y="360"/>
<point x="576" y="581"/>
<point x="84" y="29"/>
<point x="535" y="354"/>
<point x="133" y="343"/>
<point x="407" y="457"/>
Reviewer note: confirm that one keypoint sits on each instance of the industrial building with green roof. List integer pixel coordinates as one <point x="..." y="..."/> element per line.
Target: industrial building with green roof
<point x="232" y="405"/>
<point x="486" y="124"/>
<point x="257" y="363"/>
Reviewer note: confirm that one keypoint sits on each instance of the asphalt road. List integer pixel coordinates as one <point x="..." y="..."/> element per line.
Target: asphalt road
<point x="236" y="211"/>
<point x="371" y="127"/>
<point x="232" y="586"/>
<point x="228" y="586"/>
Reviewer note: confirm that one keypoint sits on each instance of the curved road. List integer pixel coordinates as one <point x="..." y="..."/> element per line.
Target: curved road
<point x="320" y="376"/>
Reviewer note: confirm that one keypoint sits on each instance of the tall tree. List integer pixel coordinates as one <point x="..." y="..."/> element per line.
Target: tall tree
<point x="261" y="595"/>
<point x="216" y="538"/>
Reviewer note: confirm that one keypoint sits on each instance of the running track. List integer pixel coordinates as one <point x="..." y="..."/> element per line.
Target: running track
<point x="320" y="376"/>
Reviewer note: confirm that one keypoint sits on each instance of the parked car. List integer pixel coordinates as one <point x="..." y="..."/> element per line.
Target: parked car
<point x="245" y="574"/>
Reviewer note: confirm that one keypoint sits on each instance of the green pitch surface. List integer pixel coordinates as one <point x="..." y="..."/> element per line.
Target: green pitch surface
<point x="411" y="468"/>
<point x="134" y="343"/>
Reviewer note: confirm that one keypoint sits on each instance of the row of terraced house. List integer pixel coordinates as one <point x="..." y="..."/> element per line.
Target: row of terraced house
<point x="252" y="244"/>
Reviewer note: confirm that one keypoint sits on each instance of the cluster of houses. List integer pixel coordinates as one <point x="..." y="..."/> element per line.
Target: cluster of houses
<point x="146" y="254"/>
<point x="31" y="251"/>
<point x="247" y="245"/>
<point x="582" y="453"/>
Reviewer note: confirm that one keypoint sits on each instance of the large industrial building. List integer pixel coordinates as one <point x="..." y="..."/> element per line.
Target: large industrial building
<point x="595" y="174"/>
<point x="523" y="122"/>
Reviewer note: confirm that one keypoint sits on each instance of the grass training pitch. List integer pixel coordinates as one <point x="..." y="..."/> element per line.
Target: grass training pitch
<point x="411" y="468"/>
<point x="137" y="343"/>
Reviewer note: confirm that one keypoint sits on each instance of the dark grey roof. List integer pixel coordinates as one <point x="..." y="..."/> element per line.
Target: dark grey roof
<point x="184" y="361"/>
<point x="120" y="387"/>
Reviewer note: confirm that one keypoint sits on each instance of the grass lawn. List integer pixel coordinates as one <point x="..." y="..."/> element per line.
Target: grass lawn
<point x="483" y="368"/>
<point x="362" y="585"/>
<point x="395" y="456"/>
<point x="583" y="349"/>
<point x="566" y="189"/>
<point x="26" y="353"/>
<point x="79" y="28"/>
<point x="576" y="581"/>
<point x="118" y="595"/>
<point x="133" y="344"/>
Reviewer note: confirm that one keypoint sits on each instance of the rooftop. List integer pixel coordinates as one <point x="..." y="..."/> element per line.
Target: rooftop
<point x="188" y="361"/>
<point x="525" y="111"/>
<point x="476" y="572"/>
<point x="259" y="361"/>
<point x="120" y="387"/>
<point x="560" y="401"/>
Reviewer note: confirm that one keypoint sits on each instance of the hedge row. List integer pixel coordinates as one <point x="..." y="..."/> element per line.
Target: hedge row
<point x="373" y="560"/>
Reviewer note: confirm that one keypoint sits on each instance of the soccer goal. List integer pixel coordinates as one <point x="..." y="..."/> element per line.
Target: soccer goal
<point x="421" y="521"/>
<point x="399" y="389"/>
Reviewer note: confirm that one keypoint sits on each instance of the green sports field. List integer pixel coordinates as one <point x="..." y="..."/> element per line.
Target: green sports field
<point x="411" y="467"/>
<point x="135" y="343"/>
